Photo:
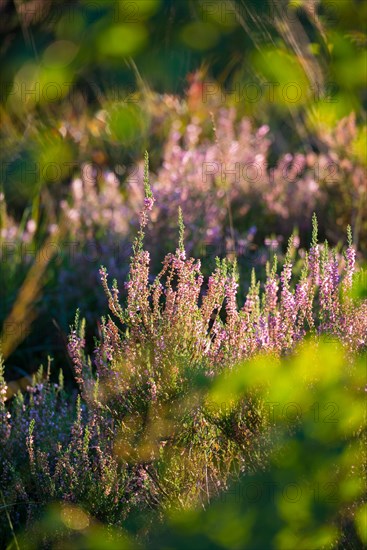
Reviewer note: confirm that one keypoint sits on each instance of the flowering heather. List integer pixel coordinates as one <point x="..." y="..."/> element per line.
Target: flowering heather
<point x="141" y="437"/>
<point x="224" y="181"/>
<point x="97" y="204"/>
<point x="233" y="195"/>
<point x="98" y="218"/>
<point x="176" y="309"/>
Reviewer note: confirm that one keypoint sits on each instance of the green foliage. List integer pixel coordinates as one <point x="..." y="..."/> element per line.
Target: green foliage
<point x="311" y="494"/>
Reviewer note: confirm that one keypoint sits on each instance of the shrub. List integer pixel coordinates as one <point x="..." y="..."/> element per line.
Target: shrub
<point x="142" y="437"/>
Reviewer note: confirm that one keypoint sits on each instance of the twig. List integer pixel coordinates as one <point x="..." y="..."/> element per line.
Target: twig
<point x="5" y="507"/>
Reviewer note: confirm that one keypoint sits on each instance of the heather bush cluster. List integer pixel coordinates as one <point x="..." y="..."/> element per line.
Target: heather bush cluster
<point x="226" y="174"/>
<point x="141" y="436"/>
<point x="220" y="169"/>
<point x="224" y="180"/>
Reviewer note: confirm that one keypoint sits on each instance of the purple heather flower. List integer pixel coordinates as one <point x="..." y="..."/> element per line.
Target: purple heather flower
<point x="314" y="264"/>
<point x="148" y="203"/>
<point x="350" y="267"/>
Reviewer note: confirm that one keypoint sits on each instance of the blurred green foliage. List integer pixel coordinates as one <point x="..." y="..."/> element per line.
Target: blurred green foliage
<point x="312" y="495"/>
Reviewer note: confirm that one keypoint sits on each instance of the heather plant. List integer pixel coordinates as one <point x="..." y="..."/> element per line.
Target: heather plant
<point x="225" y="182"/>
<point x="221" y="170"/>
<point x="144" y="436"/>
<point x="273" y="320"/>
<point x="99" y="220"/>
<point x="103" y="455"/>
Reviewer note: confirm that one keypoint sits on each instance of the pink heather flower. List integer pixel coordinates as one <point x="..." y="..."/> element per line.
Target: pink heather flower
<point x="262" y="131"/>
<point x="302" y="295"/>
<point x="30" y="448"/>
<point x="296" y="241"/>
<point x="329" y="281"/>
<point x="288" y="309"/>
<point x="112" y="296"/>
<point x="75" y="347"/>
<point x="288" y="303"/>
<point x="304" y="300"/>
<point x="271" y="293"/>
<point x="350" y="266"/>
<point x="334" y="272"/>
<point x="326" y="287"/>
<point x="148" y="203"/>
<point x="251" y="303"/>
<point x="286" y="274"/>
<point x="263" y="336"/>
<point x="231" y="305"/>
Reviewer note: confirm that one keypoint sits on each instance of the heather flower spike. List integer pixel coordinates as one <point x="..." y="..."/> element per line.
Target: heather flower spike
<point x="148" y="205"/>
<point x="221" y="266"/>
<point x="76" y="320"/>
<point x="30" y="446"/>
<point x="181" y="228"/>
<point x="76" y="346"/>
<point x="314" y="230"/>
<point x="147" y="188"/>
<point x="275" y="265"/>
<point x="253" y="279"/>
<point x="305" y="267"/>
<point x="314" y="255"/>
<point x="235" y="272"/>
<point x="349" y="236"/>
<point x="288" y="256"/>
<point x="350" y="257"/>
